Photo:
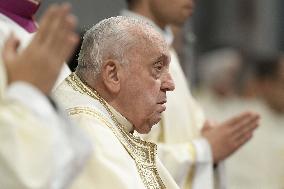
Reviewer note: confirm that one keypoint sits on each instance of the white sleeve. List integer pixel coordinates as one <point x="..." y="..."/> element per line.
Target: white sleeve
<point x="39" y="148"/>
<point x="189" y="163"/>
<point x="31" y="97"/>
<point x="26" y="155"/>
<point x="204" y="173"/>
<point x="221" y="176"/>
<point x="206" y="176"/>
<point x="65" y="72"/>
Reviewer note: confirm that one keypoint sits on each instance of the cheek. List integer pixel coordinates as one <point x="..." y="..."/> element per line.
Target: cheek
<point x="151" y="92"/>
<point x="149" y="97"/>
<point x="141" y="89"/>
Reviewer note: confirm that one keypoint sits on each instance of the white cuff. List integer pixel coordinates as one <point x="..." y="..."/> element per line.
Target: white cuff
<point x="203" y="177"/>
<point x="30" y="97"/>
<point x="220" y="176"/>
<point x="203" y="151"/>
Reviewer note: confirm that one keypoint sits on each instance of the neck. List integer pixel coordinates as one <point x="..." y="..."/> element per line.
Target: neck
<point x="109" y="101"/>
<point x="145" y="11"/>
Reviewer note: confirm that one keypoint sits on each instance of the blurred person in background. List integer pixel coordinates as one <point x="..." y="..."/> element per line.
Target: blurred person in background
<point x="188" y="145"/>
<point x="265" y="81"/>
<point x="218" y="73"/>
<point x="259" y="164"/>
<point x="39" y="147"/>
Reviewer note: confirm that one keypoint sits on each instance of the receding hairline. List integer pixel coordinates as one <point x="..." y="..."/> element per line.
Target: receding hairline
<point x="138" y="31"/>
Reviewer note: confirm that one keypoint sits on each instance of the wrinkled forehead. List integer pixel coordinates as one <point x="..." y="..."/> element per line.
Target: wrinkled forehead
<point x="148" y="39"/>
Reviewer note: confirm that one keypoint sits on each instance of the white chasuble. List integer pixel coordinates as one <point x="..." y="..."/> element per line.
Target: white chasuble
<point x="120" y="159"/>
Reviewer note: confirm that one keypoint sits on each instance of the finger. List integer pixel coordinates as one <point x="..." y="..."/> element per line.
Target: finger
<point x="236" y="119"/>
<point x="70" y="23"/>
<point x="10" y="48"/>
<point x="67" y="36"/>
<point x="245" y="124"/>
<point x="58" y="24"/>
<point x="63" y="33"/>
<point x="65" y="11"/>
<point x="206" y="126"/>
<point x="246" y="131"/>
<point x="214" y="123"/>
<point x="243" y="140"/>
<point x="45" y="24"/>
<point x="69" y="48"/>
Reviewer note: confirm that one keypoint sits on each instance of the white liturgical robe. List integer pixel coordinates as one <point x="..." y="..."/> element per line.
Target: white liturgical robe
<point x="182" y="150"/>
<point x="121" y="159"/>
<point x="39" y="148"/>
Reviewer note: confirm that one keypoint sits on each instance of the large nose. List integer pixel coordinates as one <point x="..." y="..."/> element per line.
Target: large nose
<point x="167" y="83"/>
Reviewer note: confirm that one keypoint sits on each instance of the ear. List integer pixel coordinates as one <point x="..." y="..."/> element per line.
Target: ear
<point x="111" y="75"/>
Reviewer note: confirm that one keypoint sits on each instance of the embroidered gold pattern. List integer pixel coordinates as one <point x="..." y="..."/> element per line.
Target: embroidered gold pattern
<point x="142" y="152"/>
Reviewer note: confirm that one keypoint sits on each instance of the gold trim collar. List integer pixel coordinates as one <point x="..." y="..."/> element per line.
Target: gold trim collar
<point x="121" y="119"/>
<point x="142" y="152"/>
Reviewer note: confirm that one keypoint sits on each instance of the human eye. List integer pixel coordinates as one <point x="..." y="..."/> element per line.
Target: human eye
<point x="158" y="66"/>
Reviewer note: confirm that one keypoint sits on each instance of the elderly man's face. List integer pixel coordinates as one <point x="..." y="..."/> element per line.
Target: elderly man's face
<point x="174" y="12"/>
<point x="146" y="80"/>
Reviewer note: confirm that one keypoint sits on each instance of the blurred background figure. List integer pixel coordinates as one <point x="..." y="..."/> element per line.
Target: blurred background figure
<point x="258" y="86"/>
<point x="263" y="78"/>
<point x="260" y="164"/>
<point x="218" y="70"/>
<point x="39" y="147"/>
<point x="218" y="75"/>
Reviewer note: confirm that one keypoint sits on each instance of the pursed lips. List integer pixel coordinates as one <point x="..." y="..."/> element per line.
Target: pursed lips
<point x="163" y="104"/>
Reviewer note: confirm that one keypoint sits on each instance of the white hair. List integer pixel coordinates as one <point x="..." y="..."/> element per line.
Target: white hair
<point x="110" y="38"/>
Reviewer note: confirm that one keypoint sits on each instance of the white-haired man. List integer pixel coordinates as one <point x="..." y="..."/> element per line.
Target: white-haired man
<point x="120" y="87"/>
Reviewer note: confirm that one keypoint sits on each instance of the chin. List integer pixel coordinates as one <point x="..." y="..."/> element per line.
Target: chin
<point x="179" y="23"/>
<point x="145" y="130"/>
<point x="156" y="119"/>
<point x="147" y="127"/>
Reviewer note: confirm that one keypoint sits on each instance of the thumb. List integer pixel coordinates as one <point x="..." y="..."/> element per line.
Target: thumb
<point x="206" y="126"/>
<point x="10" y="49"/>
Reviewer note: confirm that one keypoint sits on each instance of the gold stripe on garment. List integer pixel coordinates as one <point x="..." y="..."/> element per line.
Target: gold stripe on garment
<point x="142" y="152"/>
<point x="189" y="180"/>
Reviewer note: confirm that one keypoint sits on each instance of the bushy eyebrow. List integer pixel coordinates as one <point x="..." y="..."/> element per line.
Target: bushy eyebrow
<point x="162" y="58"/>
